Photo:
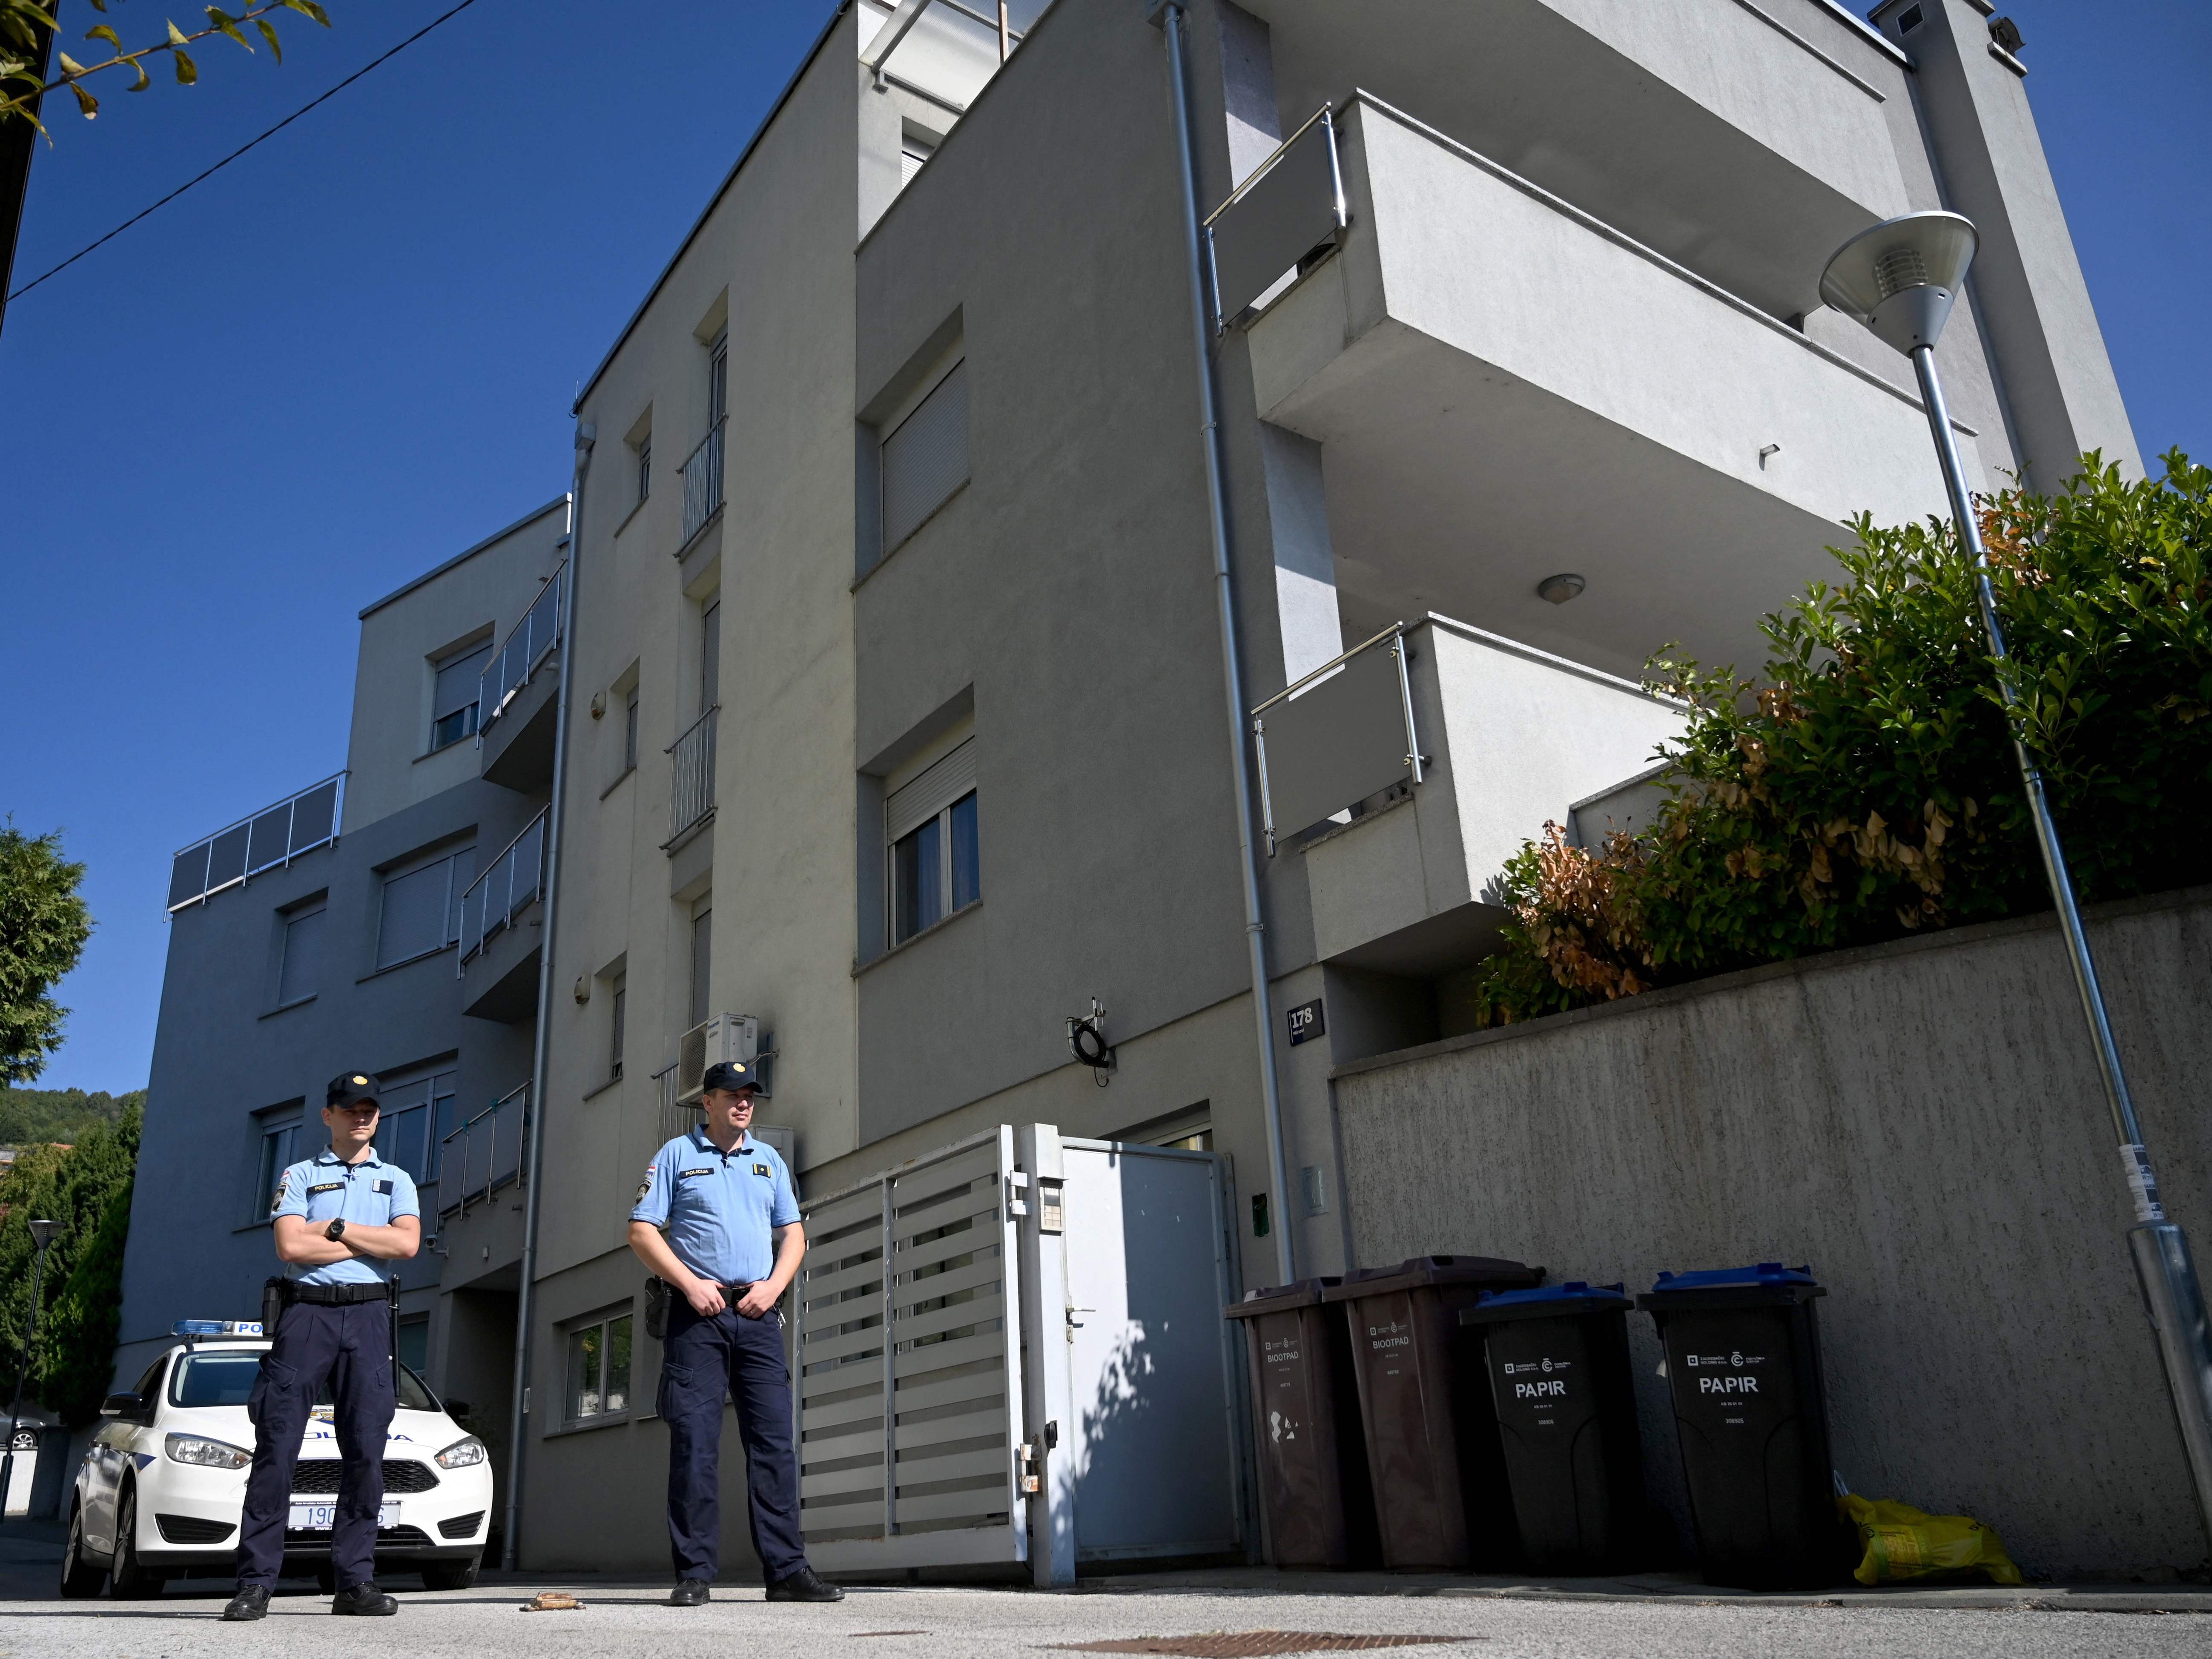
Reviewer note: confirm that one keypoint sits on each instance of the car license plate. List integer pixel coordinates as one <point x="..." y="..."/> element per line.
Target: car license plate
<point x="321" y="1517"/>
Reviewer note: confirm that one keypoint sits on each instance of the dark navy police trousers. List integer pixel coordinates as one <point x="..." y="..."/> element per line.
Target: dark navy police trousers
<point x="349" y="1347"/>
<point x="700" y="1359"/>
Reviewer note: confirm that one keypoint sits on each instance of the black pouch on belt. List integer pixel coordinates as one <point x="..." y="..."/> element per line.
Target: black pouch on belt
<point x="657" y="1293"/>
<point x="273" y="1298"/>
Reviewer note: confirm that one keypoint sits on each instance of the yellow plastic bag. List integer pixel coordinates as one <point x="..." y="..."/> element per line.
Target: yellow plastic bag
<point x="1903" y="1543"/>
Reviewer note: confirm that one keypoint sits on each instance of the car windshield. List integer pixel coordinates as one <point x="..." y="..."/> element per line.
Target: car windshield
<point x="226" y="1378"/>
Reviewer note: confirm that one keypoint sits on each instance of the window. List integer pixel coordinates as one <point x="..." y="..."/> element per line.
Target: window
<point x="933" y="866"/>
<point x="618" y="1018"/>
<point x="718" y="380"/>
<point x="1908" y="19"/>
<point x="418" y="1113"/>
<point x="914" y="150"/>
<point x="644" y="467"/>
<point x="925" y="458"/>
<point x="710" y="656"/>
<point x="629" y="730"/>
<point x="415" y="1342"/>
<point x="422" y="908"/>
<point x="283" y="1143"/>
<point x="598" y="1369"/>
<point x="300" y="970"/>
<point x="703" y="953"/>
<point x="454" y="699"/>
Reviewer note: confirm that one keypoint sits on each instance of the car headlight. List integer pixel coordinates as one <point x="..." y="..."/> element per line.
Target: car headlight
<point x="207" y="1454"/>
<point x="462" y="1453"/>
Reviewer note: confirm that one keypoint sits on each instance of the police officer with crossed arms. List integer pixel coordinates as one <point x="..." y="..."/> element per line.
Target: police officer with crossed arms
<point x="717" y="1218"/>
<point x="338" y="1215"/>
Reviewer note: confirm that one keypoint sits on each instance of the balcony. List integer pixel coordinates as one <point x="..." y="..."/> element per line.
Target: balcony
<point x="701" y="473"/>
<point x="1744" y="141"/>
<point x="499" y="942"/>
<point x="692" y="803"/>
<point x="1502" y="738"/>
<point x="1506" y="388"/>
<point x="483" y="1168"/>
<point x="521" y="702"/>
<point x="267" y="840"/>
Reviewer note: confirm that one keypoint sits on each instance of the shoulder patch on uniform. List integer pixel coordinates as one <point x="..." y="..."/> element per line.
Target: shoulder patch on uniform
<point x="326" y="1187"/>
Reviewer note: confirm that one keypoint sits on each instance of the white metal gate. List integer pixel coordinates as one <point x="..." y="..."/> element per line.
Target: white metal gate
<point x="909" y="1386"/>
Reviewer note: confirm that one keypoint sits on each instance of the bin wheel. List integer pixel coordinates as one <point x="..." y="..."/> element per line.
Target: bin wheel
<point x="450" y="1574"/>
<point x="80" y="1577"/>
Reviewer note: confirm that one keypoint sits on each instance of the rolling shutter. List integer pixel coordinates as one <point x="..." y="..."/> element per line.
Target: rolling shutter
<point x="929" y="794"/>
<point x="925" y="459"/>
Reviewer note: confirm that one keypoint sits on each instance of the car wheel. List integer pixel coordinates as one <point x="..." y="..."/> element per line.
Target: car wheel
<point x="450" y="1574"/>
<point x="127" y="1578"/>
<point x="80" y="1577"/>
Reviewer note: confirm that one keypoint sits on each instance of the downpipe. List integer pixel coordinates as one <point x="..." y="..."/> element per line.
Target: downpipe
<point x="525" y="1301"/>
<point x="2173" y="1298"/>
<point x="1170" y="16"/>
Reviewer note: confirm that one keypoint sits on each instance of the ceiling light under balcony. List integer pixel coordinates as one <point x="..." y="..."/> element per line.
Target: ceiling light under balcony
<point x="1558" y="589"/>
<point x="1899" y="278"/>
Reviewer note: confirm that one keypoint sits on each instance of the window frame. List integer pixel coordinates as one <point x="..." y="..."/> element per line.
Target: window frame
<point x="602" y="1324"/>
<point x="617" y="1023"/>
<point x="888" y="434"/>
<point x="645" y="469"/>
<point x="284" y="1124"/>
<point x="307" y="909"/>
<point x="401" y="871"/>
<point x="947" y="870"/>
<point x="479" y="651"/>
<point x="930" y="802"/>
<point x="440" y="1083"/>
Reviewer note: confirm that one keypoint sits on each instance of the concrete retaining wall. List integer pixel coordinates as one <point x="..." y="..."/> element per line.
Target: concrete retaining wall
<point x="1923" y="1123"/>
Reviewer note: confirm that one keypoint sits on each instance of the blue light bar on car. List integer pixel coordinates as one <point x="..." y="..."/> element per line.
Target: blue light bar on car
<point x="215" y="1328"/>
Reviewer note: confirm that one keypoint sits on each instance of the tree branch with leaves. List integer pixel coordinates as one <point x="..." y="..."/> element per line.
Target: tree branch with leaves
<point x="44" y="924"/>
<point x="21" y="20"/>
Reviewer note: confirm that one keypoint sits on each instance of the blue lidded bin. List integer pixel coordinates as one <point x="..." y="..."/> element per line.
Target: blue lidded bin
<point x="1558" y="1359"/>
<point x="1743" y="1364"/>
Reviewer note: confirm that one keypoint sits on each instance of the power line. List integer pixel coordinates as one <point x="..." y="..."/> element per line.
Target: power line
<point x="241" y="150"/>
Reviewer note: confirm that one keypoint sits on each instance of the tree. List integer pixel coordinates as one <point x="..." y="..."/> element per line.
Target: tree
<point x="87" y="1188"/>
<point x="43" y="926"/>
<point x="22" y="71"/>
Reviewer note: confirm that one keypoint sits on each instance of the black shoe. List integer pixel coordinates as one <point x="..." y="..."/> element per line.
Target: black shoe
<point x="252" y="1602"/>
<point x="803" y="1586"/>
<point x="364" y="1601"/>
<point x="689" y="1593"/>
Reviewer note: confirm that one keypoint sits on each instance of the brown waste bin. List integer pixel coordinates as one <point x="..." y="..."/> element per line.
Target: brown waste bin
<point x="1312" y="1459"/>
<point x="1441" y="1501"/>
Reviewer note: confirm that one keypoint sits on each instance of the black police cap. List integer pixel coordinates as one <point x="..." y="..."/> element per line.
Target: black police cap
<point x="730" y="1075"/>
<point x="347" y="1087"/>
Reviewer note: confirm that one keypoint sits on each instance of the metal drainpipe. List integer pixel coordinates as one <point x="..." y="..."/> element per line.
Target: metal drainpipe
<point x="517" y="1429"/>
<point x="1209" y="406"/>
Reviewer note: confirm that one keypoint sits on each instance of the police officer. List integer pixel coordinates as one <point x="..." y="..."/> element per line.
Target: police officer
<point x="717" y="1218"/>
<point x="337" y="1216"/>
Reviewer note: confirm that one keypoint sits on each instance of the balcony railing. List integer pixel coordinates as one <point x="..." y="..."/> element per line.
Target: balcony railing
<point x="678" y="1116"/>
<point x="269" y="839"/>
<point x="515" y="881"/>
<point x="528" y="644"/>
<point x="703" y="482"/>
<point x="1290" y="208"/>
<point x="485" y="1153"/>
<point x="694" y="772"/>
<point x="1336" y="736"/>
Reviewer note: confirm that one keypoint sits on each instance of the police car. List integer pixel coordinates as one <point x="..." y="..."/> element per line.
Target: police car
<point x="159" y="1495"/>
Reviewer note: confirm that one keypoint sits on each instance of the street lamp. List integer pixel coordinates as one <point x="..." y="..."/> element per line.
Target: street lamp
<point x="1900" y="279"/>
<point x="42" y="1234"/>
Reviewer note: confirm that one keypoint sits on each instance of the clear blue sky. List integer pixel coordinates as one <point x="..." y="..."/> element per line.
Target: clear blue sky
<point x="353" y="353"/>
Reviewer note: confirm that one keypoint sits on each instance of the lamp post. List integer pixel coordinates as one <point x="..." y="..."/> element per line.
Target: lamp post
<point x="42" y="1234"/>
<point x="1900" y="279"/>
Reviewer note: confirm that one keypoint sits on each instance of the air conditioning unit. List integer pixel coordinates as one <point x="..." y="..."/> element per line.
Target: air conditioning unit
<point x="726" y="1036"/>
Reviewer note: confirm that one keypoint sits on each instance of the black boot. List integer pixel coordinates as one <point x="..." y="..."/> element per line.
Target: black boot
<point x="803" y="1586"/>
<point x="364" y="1601"/>
<point x="689" y="1593"/>
<point x="252" y="1602"/>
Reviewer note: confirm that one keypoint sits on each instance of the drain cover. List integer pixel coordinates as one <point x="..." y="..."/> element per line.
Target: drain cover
<point x="1258" y="1644"/>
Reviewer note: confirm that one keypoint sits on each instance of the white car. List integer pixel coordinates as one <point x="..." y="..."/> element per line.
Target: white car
<point x="160" y="1494"/>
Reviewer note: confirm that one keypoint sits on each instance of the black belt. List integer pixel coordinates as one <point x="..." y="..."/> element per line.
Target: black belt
<point x="334" y="1296"/>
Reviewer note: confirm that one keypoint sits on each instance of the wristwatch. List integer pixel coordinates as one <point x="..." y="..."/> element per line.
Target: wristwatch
<point x="335" y="1229"/>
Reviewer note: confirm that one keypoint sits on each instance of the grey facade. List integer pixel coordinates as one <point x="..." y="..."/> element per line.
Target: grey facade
<point x="897" y="717"/>
<point x="257" y="1016"/>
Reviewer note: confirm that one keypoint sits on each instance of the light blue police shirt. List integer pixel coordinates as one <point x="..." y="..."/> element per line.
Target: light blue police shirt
<point x="371" y="1193"/>
<point x="719" y="1206"/>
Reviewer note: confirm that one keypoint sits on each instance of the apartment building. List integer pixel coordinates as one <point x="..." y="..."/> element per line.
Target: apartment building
<point x="322" y="933"/>
<point x="899" y="729"/>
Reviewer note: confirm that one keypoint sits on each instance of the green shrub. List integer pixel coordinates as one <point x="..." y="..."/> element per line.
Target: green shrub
<point x="1865" y="786"/>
